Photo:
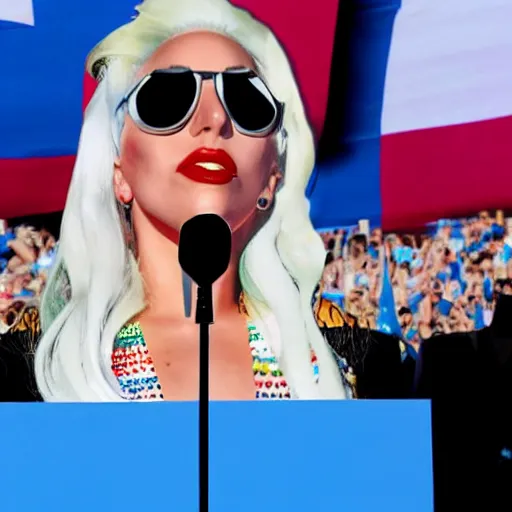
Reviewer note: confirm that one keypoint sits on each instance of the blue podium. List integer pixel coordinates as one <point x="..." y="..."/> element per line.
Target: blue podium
<point x="353" y="456"/>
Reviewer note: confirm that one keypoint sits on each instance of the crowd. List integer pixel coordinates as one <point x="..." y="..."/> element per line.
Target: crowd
<point x="26" y="255"/>
<point x="444" y="279"/>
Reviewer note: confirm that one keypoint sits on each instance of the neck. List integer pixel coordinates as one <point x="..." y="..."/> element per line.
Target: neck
<point x="357" y="261"/>
<point x="163" y="278"/>
<point x="501" y="324"/>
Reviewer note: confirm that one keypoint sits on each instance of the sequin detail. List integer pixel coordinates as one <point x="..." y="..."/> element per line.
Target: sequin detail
<point x="133" y="366"/>
<point x="135" y="371"/>
<point x="268" y="377"/>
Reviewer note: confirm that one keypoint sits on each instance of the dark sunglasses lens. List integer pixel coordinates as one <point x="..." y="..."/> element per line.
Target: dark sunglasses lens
<point x="247" y="104"/>
<point x="165" y="99"/>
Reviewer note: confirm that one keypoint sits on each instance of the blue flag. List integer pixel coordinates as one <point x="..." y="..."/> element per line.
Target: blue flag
<point x="387" y="321"/>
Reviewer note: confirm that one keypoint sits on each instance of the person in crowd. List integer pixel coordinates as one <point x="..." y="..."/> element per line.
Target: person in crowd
<point x="375" y="243"/>
<point x="332" y="284"/>
<point x="444" y="280"/>
<point x="22" y="279"/>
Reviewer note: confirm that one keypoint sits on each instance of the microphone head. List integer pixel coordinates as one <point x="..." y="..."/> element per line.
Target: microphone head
<point x="204" y="248"/>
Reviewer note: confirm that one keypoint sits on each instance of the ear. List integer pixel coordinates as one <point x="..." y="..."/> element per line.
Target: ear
<point x="274" y="180"/>
<point x="122" y="190"/>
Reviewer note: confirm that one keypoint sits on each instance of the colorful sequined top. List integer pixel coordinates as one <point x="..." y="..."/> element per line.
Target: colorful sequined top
<point x="135" y="371"/>
<point x="134" y="368"/>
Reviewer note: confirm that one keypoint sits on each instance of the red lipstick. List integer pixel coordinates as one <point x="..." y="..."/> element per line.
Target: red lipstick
<point x="206" y="165"/>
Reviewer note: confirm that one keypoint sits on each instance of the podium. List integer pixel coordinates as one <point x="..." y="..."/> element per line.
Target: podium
<point x="351" y="456"/>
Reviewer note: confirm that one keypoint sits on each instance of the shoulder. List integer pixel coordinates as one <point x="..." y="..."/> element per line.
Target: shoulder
<point x="448" y="346"/>
<point x="446" y="341"/>
<point x="17" y="348"/>
<point x="370" y="360"/>
<point x="447" y="365"/>
<point x="329" y="315"/>
<point x="337" y="326"/>
<point x="28" y="323"/>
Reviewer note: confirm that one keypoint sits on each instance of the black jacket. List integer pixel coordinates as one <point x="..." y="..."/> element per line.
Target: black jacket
<point x="470" y="386"/>
<point x="17" y="382"/>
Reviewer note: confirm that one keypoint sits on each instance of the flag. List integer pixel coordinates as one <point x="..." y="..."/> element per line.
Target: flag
<point x="419" y="118"/>
<point x="387" y="320"/>
<point x="447" y="111"/>
<point x="410" y="102"/>
<point x="18" y="12"/>
<point x="43" y="89"/>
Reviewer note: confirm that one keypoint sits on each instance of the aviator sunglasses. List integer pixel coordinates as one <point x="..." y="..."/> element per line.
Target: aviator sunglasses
<point x="164" y="101"/>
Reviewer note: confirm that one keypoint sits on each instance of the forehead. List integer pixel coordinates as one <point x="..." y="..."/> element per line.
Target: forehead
<point x="200" y="50"/>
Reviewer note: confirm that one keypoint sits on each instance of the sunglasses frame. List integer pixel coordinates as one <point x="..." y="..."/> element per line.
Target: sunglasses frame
<point x="130" y="100"/>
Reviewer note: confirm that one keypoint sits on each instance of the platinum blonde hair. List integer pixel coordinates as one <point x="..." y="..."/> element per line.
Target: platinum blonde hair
<point x="96" y="287"/>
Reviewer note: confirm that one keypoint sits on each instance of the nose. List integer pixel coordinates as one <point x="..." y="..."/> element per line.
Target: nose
<point x="210" y="118"/>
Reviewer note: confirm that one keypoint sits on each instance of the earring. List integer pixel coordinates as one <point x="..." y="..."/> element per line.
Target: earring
<point x="127" y="213"/>
<point x="127" y="207"/>
<point x="263" y="204"/>
<point x="128" y="227"/>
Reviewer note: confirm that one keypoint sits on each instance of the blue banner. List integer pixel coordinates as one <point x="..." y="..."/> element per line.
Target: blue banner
<point x="352" y="456"/>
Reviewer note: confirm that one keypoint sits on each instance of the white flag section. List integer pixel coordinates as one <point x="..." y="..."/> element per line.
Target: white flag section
<point x="450" y="62"/>
<point x="17" y="11"/>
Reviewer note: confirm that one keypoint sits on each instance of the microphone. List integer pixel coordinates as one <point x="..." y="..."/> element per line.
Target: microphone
<point x="213" y="233"/>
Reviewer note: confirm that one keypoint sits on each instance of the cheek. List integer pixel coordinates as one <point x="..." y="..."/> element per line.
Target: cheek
<point x="134" y="152"/>
<point x="255" y="158"/>
<point x="141" y="158"/>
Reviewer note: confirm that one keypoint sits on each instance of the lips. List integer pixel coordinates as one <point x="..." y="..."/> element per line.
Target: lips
<point x="211" y="166"/>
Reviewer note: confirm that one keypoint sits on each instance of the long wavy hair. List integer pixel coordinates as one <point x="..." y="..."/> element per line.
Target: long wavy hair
<point x="96" y="287"/>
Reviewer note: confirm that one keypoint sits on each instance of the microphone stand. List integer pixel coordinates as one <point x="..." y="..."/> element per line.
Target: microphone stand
<point x="192" y="238"/>
<point x="204" y="317"/>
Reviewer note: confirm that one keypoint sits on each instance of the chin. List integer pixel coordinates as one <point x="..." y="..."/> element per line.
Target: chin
<point x="172" y="221"/>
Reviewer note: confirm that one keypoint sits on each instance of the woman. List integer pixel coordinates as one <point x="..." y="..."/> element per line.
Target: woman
<point x="196" y="111"/>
